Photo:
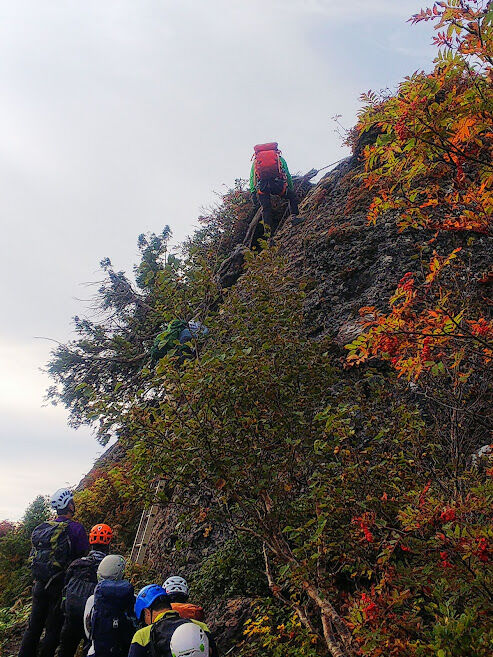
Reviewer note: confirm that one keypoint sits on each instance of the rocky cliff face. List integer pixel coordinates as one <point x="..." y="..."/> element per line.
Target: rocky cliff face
<point x="185" y="548"/>
<point x="351" y="264"/>
<point x="345" y="264"/>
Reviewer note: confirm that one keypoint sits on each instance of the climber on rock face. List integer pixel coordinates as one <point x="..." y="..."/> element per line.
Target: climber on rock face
<point x="80" y="582"/>
<point x="165" y="632"/>
<point x="179" y="336"/>
<point x="177" y="591"/>
<point x="56" y="543"/>
<point x="270" y="175"/>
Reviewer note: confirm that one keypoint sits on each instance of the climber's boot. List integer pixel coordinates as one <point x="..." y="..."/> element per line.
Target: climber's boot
<point x="296" y="220"/>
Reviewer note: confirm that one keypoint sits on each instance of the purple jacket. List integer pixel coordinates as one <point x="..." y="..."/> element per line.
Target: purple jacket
<point x="78" y="537"/>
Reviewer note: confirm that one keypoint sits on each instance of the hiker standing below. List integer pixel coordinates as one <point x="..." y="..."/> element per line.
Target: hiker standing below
<point x="56" y="543"/>
<point x="270" y="175"/>
<point x="166" y="634"/>
<point x="109" y="621"/>
<point x="80" y="582"/>
<point x="177" y="591"/>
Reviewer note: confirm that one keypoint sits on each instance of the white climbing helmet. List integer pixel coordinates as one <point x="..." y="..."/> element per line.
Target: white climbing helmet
<point x="197" y="329"/>
<point x="61" y="499"/>
<point x="175" y="584"/>
<point x="189" y="640"/>
<point x="111" y="567"/>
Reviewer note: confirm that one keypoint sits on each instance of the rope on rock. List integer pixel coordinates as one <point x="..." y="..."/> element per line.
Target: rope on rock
<point x="331" y="165"/>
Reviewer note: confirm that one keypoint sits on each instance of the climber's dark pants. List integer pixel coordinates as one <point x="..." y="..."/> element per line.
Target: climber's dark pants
<point x="45" y="613"/>
<point x="276" y="186"/>
<point x="72" y="634"/>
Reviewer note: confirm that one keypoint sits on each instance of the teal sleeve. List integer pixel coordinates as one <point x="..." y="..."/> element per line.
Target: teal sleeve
<point x="286" y="171"/>
<point x="252" y="178"/>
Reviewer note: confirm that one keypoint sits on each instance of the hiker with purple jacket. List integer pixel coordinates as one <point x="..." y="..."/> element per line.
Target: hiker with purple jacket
<point x="56" y="543"/>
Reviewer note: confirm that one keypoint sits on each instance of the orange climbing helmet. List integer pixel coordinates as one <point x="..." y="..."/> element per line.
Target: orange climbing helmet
<point x="100" y="534"/>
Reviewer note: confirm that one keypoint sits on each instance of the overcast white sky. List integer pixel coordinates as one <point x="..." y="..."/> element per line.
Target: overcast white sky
<point x="120" y="116"/>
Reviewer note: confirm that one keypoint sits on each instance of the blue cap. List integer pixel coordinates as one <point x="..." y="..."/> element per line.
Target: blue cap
<point x="147" y="596"/>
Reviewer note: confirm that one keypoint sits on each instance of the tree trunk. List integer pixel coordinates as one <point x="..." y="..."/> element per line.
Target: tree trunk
<point x="276" y="591"/>
<point x="337" y="635"/>
<point x="332" y="644"/>
<point x="330" y="617"/>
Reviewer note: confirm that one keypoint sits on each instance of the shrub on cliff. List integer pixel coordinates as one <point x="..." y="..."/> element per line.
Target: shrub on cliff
<point x="15" y="546"/>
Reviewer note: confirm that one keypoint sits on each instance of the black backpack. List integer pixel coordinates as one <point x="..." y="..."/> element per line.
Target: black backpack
<point x="112" y="623"/>
<point x="51" y="552"/>
<point x="82" y="581"/>
<point x="161" y="633"/>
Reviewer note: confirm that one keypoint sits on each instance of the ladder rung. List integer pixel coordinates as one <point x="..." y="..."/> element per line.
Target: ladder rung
<point x="144" y="529"/>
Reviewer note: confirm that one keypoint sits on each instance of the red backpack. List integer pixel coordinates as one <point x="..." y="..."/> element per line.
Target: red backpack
<point x="267" y="161"/>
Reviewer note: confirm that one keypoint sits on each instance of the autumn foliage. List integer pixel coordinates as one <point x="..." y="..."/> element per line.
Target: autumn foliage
<point x="432" y="159"/>
<point x="110" y="495"/>
<point x="431" y="166"/>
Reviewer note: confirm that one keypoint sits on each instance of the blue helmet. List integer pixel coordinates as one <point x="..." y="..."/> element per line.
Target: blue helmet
<point x="147" y="596"/>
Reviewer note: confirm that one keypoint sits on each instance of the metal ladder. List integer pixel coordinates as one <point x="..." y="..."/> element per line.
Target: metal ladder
<point x="144" y="530"/>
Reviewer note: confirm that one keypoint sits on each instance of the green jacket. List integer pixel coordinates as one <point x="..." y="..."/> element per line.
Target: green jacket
<point x="253" y="176"/>
<point x="167" y="340"/>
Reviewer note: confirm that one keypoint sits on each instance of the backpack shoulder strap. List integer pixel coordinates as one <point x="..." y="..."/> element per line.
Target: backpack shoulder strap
<point x="161" y="633"/>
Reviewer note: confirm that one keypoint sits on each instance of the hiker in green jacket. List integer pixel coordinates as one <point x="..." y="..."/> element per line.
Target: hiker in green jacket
<point x="270" y="175"/>
<point x="180" y="337"/>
